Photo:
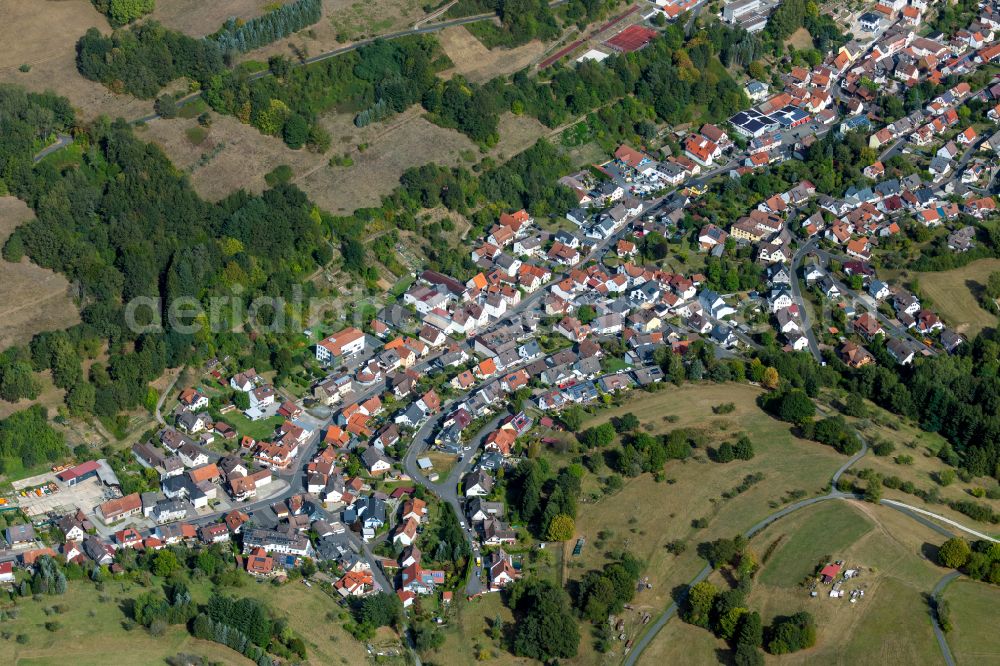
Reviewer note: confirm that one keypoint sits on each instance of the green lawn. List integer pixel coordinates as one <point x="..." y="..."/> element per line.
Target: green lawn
<point x="193" y="109"/>
<point x="974" y="607"/>
<point x="64" y="157"/>
<point x="402" y="284"/>
<point x="262" y="429"/>
<point x="14" y="469"/>
<point x="613" y="364"/>
<point x="832" y="527"/>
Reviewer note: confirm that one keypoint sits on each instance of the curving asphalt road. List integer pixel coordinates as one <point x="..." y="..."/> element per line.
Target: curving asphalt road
<point x="912" y="512"/>
<point x="62" y="140"/>
<point x="938" y="631"/>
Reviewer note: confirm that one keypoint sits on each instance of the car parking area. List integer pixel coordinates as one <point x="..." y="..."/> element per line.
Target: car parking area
<point x="85" y="495"/>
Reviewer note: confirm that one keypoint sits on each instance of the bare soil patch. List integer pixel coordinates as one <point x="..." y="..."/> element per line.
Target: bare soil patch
<point x="32" y="299"/>
<point x="478" y="63"/>
<point x="43" y="35"/>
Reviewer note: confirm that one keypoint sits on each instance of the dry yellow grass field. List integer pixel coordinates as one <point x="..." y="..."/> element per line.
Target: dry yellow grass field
<point x="43" y="34"/>
<point x="92" y="632"/>
<point x="517" y="133"/>
<point x="645" y="515"/>
<point x="239" y="156"/>
<point x="343" y="22"/>
<point x="32" y="299"/>
<point x="909" y="440"/>
<point x="952" y="293"/>
<point x="402" y="142"/>
<point x="77" y="641"/>
<point x="921" y="473"/>
<point x="198" y="18"/>
<point x="233" y="155"/>
<point x="50" y="396"/>
<point x="355" y="19"/>
<point x="478" y="63"/>
<point x="467" y="634"/>
<point x="800" y="39"/>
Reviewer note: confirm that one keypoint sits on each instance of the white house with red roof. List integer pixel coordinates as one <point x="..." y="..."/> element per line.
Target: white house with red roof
<point x="344" y="343"/>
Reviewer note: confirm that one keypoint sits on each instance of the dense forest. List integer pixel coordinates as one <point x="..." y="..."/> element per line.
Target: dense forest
<point x="143" y="59"/>
<point x="122" y="223"/>
<point x="791" y="15"/>
<point x="27" y="440"/>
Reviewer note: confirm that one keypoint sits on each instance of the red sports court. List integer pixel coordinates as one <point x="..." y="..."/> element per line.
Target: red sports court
<point x="632" y="38"/>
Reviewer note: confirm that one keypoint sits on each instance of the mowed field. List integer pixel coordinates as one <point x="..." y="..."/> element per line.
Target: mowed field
<point x="954" y="295"/>
<point x="889" y="625"/>
<point x="32" y="299"/>
<point x="974" y="606"/>
<point x="43" y="35"/>
<point x="829" y="530"/>
<point x="646" y="515"/>
<point x="478" y="63"/>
